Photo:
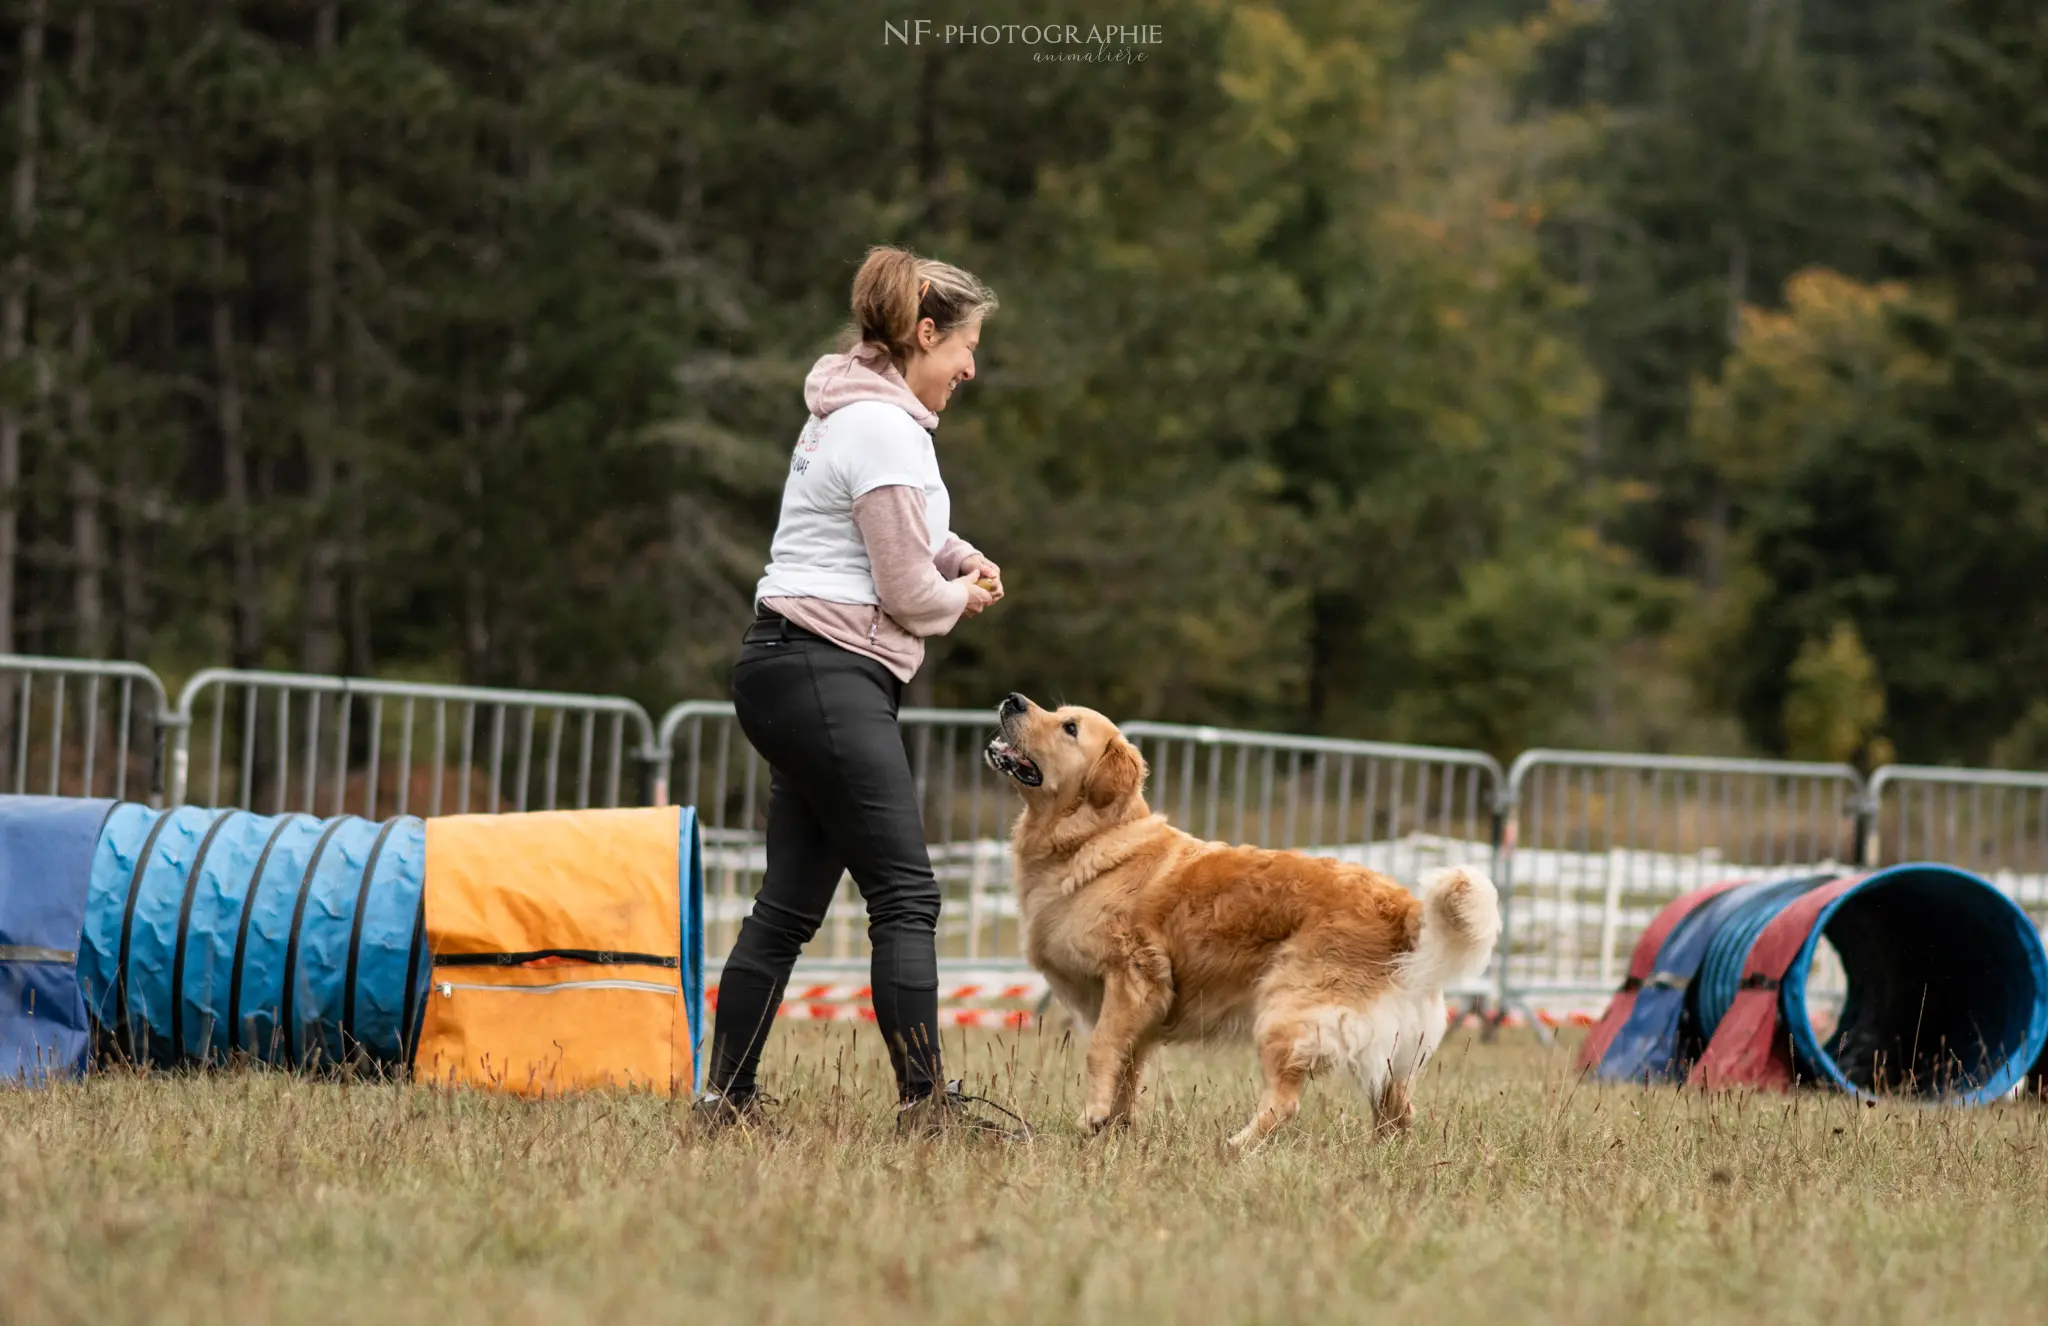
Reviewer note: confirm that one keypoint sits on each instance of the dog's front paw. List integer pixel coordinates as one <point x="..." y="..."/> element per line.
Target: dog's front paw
<point x="1094" y="1121"/>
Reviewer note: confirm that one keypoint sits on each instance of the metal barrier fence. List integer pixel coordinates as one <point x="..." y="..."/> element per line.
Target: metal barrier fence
<point x="1599" y="842"/>
<point x="71" y="727"/>
<point x="1399" y="809"/>
<point x="1585" y="846"/>
<point x="279" y="741"/>
<point x="1985" y="820"/>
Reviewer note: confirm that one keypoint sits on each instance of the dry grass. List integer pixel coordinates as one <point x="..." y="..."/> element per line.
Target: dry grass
<point x="1522" y="1196"/>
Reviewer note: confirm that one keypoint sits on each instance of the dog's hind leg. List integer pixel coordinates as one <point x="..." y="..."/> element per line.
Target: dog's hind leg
<point x="1126" y="1102"/>
<point x="1394" y="1111"/>
<point x="1290" y="1053"/>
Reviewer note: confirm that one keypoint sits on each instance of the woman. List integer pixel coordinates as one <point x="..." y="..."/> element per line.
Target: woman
<point x="863" y="567"/>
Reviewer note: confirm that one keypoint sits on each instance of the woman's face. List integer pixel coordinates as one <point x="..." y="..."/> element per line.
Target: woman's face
<point x="944" y="361"/>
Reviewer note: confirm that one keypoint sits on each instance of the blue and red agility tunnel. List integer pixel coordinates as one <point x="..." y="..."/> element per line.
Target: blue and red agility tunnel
<point x="1947" y="989"/>
<point x="196" y="937"/>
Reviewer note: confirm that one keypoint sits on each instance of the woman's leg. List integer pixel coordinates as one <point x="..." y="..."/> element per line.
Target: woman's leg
<point x="825" y="719"/>
<point x="803" y="873"/>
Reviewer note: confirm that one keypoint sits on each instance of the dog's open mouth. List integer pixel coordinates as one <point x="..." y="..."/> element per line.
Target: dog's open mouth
<point x="1010" y="762"/>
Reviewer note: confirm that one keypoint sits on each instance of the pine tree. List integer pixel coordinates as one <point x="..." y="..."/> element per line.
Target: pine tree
<point x="1729" y="158"/>
<point x="1893" y="447"/>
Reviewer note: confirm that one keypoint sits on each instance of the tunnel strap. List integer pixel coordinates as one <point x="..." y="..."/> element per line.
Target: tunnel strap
<point x="598" y="957"/>
<point x="1751" y="1047"/>
<point x="1641" y="964"/>
<point x="35" y="953"/>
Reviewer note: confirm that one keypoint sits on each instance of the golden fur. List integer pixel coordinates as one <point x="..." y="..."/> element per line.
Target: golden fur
<point x="1152" y="935"/>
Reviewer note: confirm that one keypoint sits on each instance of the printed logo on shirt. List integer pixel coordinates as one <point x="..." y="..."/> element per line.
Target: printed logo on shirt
<point x="806" y="443"/>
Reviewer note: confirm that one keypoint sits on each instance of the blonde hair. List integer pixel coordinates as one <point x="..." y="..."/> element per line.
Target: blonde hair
<point x="895" y="289"/>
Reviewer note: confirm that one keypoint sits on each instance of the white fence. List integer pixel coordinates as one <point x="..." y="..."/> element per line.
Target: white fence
<point x="1586" y="846"/>
<point x="1989" y="821"/>
<point x="1598" y="842"/>
<point x="71" y="727"/>
<point x="285" y="741"/>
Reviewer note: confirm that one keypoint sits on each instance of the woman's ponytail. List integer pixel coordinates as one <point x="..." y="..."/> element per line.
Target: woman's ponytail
<point x="895" y="289"/>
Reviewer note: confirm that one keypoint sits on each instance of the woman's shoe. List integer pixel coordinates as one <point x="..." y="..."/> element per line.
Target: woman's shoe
<point x="714" y="1110"/>
<point x="952" y="1110"/>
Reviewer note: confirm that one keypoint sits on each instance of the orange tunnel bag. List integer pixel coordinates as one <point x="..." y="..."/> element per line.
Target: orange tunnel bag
<point x="556" y="940"/>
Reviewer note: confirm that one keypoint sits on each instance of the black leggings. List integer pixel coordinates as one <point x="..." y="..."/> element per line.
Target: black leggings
<point x="841" y="799"/>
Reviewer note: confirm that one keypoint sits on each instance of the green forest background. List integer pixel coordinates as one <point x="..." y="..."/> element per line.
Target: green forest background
<point x="1651" y="374"/>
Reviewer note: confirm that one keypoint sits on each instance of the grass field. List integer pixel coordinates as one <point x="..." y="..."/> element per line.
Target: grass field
<point x="1522" y="1196"/>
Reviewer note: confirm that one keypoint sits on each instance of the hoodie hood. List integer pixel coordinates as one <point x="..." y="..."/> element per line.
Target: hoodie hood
<point x="837" y="381"/>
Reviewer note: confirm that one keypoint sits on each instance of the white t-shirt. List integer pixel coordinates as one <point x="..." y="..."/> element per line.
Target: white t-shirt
<point x="818" y="552"/>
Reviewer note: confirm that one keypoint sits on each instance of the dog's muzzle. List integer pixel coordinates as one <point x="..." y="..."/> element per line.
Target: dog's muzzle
<point x="1002" y="753"/>
<point x="1010" y="762"/>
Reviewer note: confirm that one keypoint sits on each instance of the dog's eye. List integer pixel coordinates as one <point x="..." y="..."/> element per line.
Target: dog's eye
<point x="1072" y="728"/>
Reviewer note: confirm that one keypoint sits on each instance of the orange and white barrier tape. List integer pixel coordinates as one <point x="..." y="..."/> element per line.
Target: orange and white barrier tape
<point x="851" y="1001"/>
<point x="1015" y="1019"/>
<point x="1006" y="988"/>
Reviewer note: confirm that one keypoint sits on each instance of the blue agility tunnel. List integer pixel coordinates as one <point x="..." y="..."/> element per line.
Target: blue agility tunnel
<point x="1946" y="989"/>
<point x="1720" y="978"/>
<point x="1660" y="1038"/>
<point x="194" y="937"/>
<point x="292" y="940"/>
<point x="46" y="847"/>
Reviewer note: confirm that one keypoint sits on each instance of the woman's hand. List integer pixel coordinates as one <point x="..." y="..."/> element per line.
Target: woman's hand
<point x="978" y="598"/>
<point x="981" y="568"/>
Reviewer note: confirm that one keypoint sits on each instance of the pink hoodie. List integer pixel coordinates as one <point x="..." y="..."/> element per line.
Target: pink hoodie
<point x="864" y="375"/>
<point x="921" y="594"/>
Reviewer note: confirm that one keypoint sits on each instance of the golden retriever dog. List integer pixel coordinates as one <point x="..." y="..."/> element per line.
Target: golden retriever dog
<point x="1151" y="935"/>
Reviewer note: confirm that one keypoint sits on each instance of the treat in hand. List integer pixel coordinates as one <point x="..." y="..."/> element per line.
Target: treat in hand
<point x="988" y="583"/>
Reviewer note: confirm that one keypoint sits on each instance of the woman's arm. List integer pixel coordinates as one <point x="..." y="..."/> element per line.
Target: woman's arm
<point x="907" y="577"/>
<point x="957" y="557"/>
<point x="953" y="556"/>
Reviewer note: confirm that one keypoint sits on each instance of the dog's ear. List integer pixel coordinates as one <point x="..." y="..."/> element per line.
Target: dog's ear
<point x="1118" y="773"/>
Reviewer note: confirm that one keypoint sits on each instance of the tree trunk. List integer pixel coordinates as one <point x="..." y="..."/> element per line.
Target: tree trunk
<point x="131" y="626"/>
<point x="1714" y="547"/>
<point x="88" y="539"/>
<point x="1756" y="31"/>
<point x="356" y="597"/>
<point x="1322" y="642"/>
<point x="356" y="564"/>
<point x="320" y="651"/>
<point x="1738" y="285"/>
<point x="88" y="557"/>
<point x="476" y="622"/>
<point x="1590" y="434"/>
<point x="931" y="167"/>
<point x="246" y="610"/>
<point x="14" y="310"/>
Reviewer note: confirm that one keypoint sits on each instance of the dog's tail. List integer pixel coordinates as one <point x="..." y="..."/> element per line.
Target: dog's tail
<point x="1460" y="925"/>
